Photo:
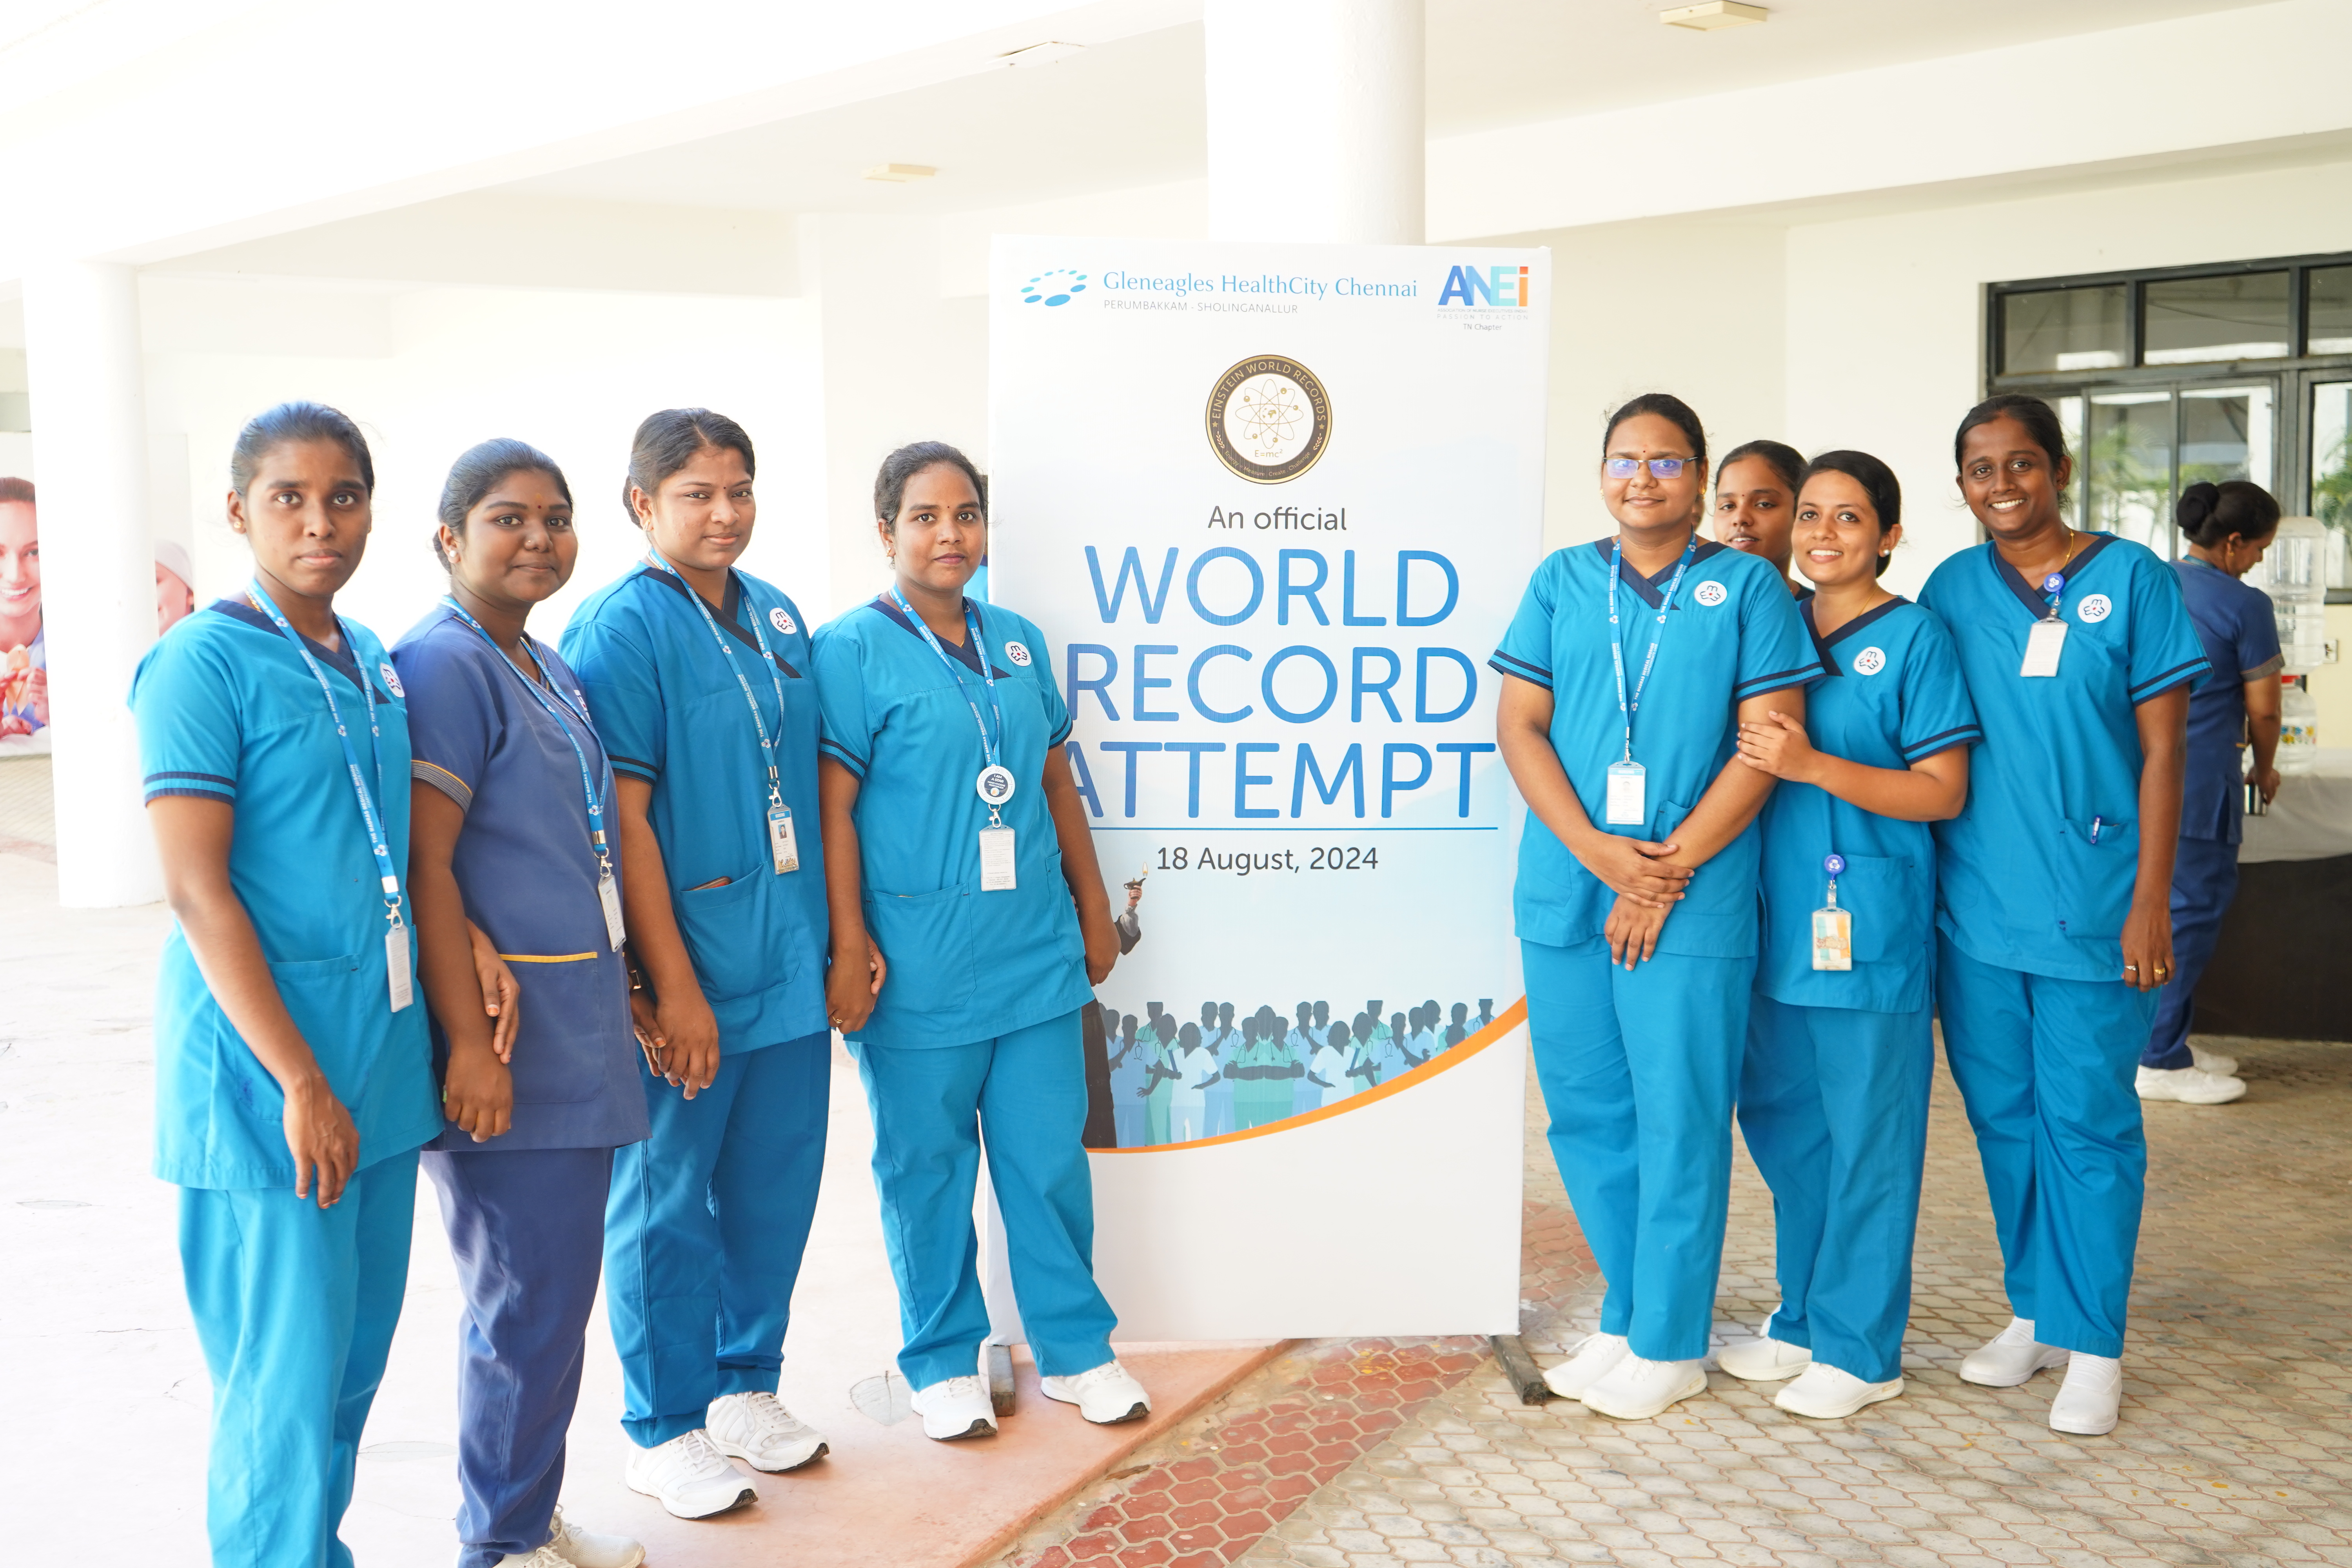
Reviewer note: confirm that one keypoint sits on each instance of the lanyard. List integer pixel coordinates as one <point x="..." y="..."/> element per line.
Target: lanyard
<point x="1617" y="645"/>
<point x="556" y="707"/>
<point x="759" y="725"/>
<point x="988" y="744"/>
<point x="390" y="878"/>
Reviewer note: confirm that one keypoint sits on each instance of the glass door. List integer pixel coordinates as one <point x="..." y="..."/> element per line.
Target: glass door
<point x="2143" y="445"/>
<point x="2329" y="455"/>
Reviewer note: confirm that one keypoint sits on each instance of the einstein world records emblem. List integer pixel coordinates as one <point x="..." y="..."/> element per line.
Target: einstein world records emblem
<point x="1269" y="419"/>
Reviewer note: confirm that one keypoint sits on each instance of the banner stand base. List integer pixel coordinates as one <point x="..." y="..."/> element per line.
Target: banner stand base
<point x="1511" y="1355"/>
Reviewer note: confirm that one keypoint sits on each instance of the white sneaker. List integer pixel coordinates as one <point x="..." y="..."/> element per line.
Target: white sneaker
<point x="587" y="1549"/>
<point x="690" y="1476"/>
<point x="1593" y="1358"/>
<point x="2190" y="1086"/>
<point x="544" y="1557"/>
<point x="1763" y="1359"/>
<point x="2087" y="1401"/>
<point x="757" y="1429"/>
<point x="2009" y="1357"/>
<point x="1825" y="1392"/>
<point x="956" y="1407"/>
<point x="2214" y="1062"/>
<point x="1105" y="1395"/>
<point x="1636" y="1390"/>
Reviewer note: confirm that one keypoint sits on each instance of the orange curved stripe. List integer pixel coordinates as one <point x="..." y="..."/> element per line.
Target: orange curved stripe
<point x="1510" y="1018"/>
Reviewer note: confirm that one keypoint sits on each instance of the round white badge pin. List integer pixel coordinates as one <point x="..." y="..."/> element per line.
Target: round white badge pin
<point x="781" y="621"/>
<point x="2094" y="609"/>
<point x="1018" y="652"/>
<point x="994" y="783"/>
<point x="1870" y="661"/>
<point x="1710" y="593"/>
<point x="391" y="680"/>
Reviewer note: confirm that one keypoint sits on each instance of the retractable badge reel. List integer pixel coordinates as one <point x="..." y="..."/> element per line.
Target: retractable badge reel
<point x="1832" y="927"/>
<point x="2047" y="640"/>
<point x="994" y="787"/>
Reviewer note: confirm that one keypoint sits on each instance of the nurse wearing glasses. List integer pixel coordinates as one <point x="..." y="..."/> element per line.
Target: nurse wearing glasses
<point x="1841" y="1051"/>
<point x="2053" y="891"/>
<point x="955" y="837"/>
<point x="1630" y="665"/>
<point x="698" y="675"/>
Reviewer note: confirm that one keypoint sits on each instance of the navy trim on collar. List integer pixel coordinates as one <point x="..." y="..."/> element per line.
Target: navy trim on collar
<point x="1821" y="645"/>
<point x="2026" y="592"/>
<point x="962" y="652"/>
<point x="346" y="663"/>
<point x="730" y="612"/>
<point x="1653" y="589"/>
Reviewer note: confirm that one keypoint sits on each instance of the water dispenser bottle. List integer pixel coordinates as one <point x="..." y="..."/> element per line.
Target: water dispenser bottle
<point x="2295" y="574"/>
<point x="2298" y="727"/>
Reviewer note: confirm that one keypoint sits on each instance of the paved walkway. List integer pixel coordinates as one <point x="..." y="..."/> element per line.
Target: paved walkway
<point x="2236" y="1446"/>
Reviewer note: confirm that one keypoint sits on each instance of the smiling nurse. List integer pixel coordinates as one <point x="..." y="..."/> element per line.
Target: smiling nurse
<point x="2052" y="890"/>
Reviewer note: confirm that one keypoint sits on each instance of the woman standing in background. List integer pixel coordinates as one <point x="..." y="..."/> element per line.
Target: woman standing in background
<point x="1755" y="503"/>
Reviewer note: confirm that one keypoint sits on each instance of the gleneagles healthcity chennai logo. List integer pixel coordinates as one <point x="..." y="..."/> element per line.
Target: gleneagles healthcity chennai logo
<point x="1055" y="288"/>
<point x="1269" y="419"/>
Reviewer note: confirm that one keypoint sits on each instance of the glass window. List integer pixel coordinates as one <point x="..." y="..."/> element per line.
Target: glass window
<point x="2064" y="328"/>
<point x="2192" y="321"/>
<point x="2070" y="420"/>
<point x="2331" y="473"/>
<point x="2129" y="459"/>
<point x="2225" y="434"/>
<point x="2329" y="308"/>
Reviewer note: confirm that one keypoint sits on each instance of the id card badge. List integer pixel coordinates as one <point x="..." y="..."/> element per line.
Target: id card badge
<point x="781" y="844"/>
<point x="2043" y="644"/>
<point x="1833" y="938"/>
<point x="1627" y="804"/>
<point x="396" y="964"/>
<point x="608" y="894"/>
<point x="997" y="860"/>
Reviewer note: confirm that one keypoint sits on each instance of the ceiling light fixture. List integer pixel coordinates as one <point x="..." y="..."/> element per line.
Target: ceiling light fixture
<point x="1040" y="54"/>
<point x="1712" y="16"/>
<point x="901" y="174"/>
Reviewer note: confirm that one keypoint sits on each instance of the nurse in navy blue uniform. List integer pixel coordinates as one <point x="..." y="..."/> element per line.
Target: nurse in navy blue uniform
<point x="2054" y="931"/>
<point x="1629" y="667"/>
<point x="2228" y="527"/>
<point x="511" y="804"/>
<point x="697" y="675"/>
<point x="293" y="1076"/>
<point x="955" y="841"/>
<point x="1841" y="1044"/>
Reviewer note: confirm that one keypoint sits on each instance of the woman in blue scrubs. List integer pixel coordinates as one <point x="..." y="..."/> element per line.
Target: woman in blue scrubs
<point x="510" y="810"/>
<point x="2052" y="889"/>
<point x="698" y="675"/>
<point x="1755" y="503"/>
<point x="1841" y="1046"/>
<point x="2228" y="527"/>
<point x="293" y="1076"/>
<point x="955" y="837"/>
<point x="1630" y="665"/>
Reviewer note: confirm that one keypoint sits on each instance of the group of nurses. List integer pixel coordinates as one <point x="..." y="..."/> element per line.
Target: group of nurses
<point x="957" y="850"/>
<point x="1841" y="1046"/>
<point x="1628" y="668"/>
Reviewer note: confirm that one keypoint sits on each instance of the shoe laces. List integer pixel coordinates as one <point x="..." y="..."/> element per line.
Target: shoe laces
<point x="696" y="1452"/>
<point x="965" y="1388"/>
<point x="1093" y="1378"/>
<point x="770" y="1418"/>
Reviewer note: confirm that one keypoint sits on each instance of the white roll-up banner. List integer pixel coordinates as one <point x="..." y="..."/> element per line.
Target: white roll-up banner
<point x="1273" y="506"/>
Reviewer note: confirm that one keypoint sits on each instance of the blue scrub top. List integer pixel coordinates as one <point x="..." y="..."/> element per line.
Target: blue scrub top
<point x="2239" y="630"/>
<point x="671" y="712"/>
<point x="1892" y="696"/>
<point x="1733" y="634"/>
<point x="965" y="965"/>
<point x="526" y="867"/>
<point x="228" y="711"/>
<point x="2020" y="883"/>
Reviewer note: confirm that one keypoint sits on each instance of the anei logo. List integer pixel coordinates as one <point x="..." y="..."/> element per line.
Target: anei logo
<point x="1489" y="288"/>
<point x="1055" y="288"/>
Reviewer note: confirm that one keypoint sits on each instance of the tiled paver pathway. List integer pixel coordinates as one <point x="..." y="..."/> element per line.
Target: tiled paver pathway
<point x="2236" y="1446"/>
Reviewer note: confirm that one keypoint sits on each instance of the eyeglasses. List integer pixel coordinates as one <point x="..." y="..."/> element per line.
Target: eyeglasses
<point x="1660" y="468"/>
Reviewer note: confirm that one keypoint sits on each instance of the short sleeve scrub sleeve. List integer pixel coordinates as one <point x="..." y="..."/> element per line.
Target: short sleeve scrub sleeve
<point x="2239" y="630"/>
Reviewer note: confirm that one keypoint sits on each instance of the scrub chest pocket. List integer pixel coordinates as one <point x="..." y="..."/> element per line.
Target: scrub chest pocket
<point x="2095" y="878"/>
<point x="729" y="939"/>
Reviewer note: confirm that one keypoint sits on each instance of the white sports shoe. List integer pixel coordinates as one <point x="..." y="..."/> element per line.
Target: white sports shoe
<point x="757" y="1429"/>
<point x="2087" y="1401"/>
<point x="1763" y="1359"/>
<point x="1825" y="1392"/>
<point x="587" y="1549"/>
<point x="2009" y="1357"/>
<point x="2214" y="1062"/>
<point x="1593" y="1358"/>
<point x="956" y="1407"/>
<point x="1105" y="1395"/>
<point x="1636" y="1390"/>
<point x="543" y="1557"/>
<point x="2190" y="1086"/>
<point x="689" y="1476"/>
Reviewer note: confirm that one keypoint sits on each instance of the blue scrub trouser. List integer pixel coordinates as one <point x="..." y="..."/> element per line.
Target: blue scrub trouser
<point x="1833" y="1103"/>
<point x="2045" y="1068"/>
<point x="527" y="1227"/>
<point x="1025" y="1094"/>
<point x="2204" y="881"/>
<point x="1639" y="1067"/>
<point x="295" y="1308"/>
<point x="704" y="1232"/>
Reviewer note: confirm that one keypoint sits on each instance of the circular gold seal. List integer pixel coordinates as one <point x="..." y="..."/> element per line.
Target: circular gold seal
<point x="1269" y="419"/>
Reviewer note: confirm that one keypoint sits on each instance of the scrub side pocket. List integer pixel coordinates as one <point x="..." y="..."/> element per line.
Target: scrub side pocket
<point x="569" y="1016"/>
<point x="723" y="938"/>
<point x="326" y="997"/>
<point x="1892" y="905"/>
<point x="926" y="940"/>
<point x="2094" y="880"/>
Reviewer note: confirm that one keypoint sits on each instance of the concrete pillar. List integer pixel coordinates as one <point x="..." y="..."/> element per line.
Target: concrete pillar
<point x="1316" y="124"/>
<point x="83" y="361"/>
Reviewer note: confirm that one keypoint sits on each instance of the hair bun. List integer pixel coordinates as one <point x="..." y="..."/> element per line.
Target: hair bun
<point x="2195" y="504"/>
